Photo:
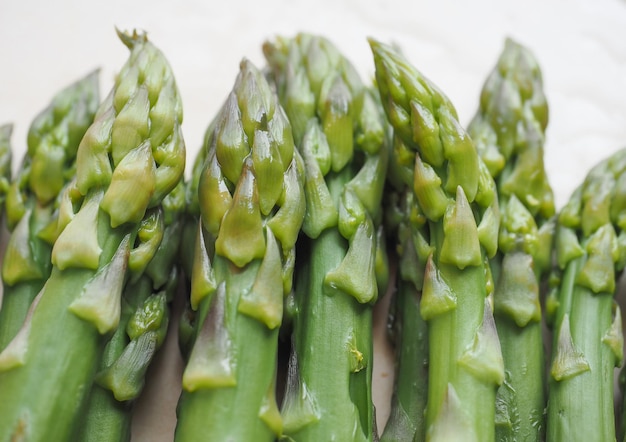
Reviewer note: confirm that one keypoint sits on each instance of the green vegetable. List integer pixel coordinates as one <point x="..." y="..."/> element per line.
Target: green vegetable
<point x="251" y="201"/>
<point x="409" y="330"/>
<point x="341" y="134"/>
<point x="588" y="341"/>
<point x="48" y="165"/>
<point x="508" y="130"/>
<point x="188" y="319"/>
<point x="129" y="159"/>
<point x="143" y="325"/>
<point x="457" y="196"/>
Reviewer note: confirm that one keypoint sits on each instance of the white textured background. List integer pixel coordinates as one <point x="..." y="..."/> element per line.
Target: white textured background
<point x="580" y="44"/>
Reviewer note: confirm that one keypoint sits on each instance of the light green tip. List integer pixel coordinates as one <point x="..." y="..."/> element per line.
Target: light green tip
<point x="212" y="362"/>
<point x="99" y="301"/>
<point x="241" y="238"/>
<point x="461" y="246"/>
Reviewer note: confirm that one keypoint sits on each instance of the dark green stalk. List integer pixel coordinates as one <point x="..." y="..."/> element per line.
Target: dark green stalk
<point x="129" y="159"/>
<point x="508" y="130"/>
<point x="340" y="132"/>
<point x="588" y="340"/>
<point x="457" y="197"/>
<point x="48" y="165"/>
<point x="251" y="200"/>
<point x="410" y="332"/>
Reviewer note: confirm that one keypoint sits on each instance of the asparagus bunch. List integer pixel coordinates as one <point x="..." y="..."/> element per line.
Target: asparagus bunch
<point x="48" y="165"/>
<point x="341" y="134"/>
<point x="508" y="130"/>
<point x="251" y="201"/>
<point x="457" y="196"/>
<point x="6" y="156"/>
<point x="588" y="342"/>
<point x="130" y="158"/>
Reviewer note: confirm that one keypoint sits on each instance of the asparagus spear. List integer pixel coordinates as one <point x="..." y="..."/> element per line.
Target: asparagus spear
<point x="588" y="341"/>
<point x="6" y="155"/>
<point x="129" y="159"/>
<point x="409" y="330"/>
<point x="340" y="132"/>
<point x="251" y="209"/>
<point x="508" y="130"/>
<point x="457" y="196"/>
<point x="48" y="165"/>
<point x="143" y="325"/>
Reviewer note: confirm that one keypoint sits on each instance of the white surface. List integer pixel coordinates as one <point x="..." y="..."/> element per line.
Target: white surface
<point x="581" y="46"/>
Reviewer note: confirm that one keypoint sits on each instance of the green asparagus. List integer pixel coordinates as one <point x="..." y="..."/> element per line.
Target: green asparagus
<point x="508" y="130"/>
<point x="129" y="159"/>
<point x="48" y="165"/>
<point x="143" y="325"/>
<point x="251" y="201"/>
<point x="457" y="196"/>
<point x="340" y="131"/>
<point x="409" y="330"/>
<point x="588" y="342"/>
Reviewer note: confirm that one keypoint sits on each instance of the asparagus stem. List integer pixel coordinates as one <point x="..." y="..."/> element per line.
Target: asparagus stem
<point x="588" y="341"/>
<point x="406" y="419"/>
<point x="457" y="196"/>
<point x="143" y="324"/>
<point x="130" y="157"/>
<point x="410" y="332"/>
<point x="341" y="135"/>
<point x="508" y="130"/>
<point x="251" y="201"/>
<point x="47" y="167"/>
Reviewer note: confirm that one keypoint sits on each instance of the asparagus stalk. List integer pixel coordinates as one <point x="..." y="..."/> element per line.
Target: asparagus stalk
<point x="508" y="130"/>
<point x="457" y="196"/>
<point x="48" y="165"/>
<point x="143" y="325"/>
<point x="6" y="156"/>
<point x="409" y="330"/>
<point x="340" y="132"/>
<point x="129" y="159"/>
<point x="251" y="209"/>
<point x="588" y="341"/>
